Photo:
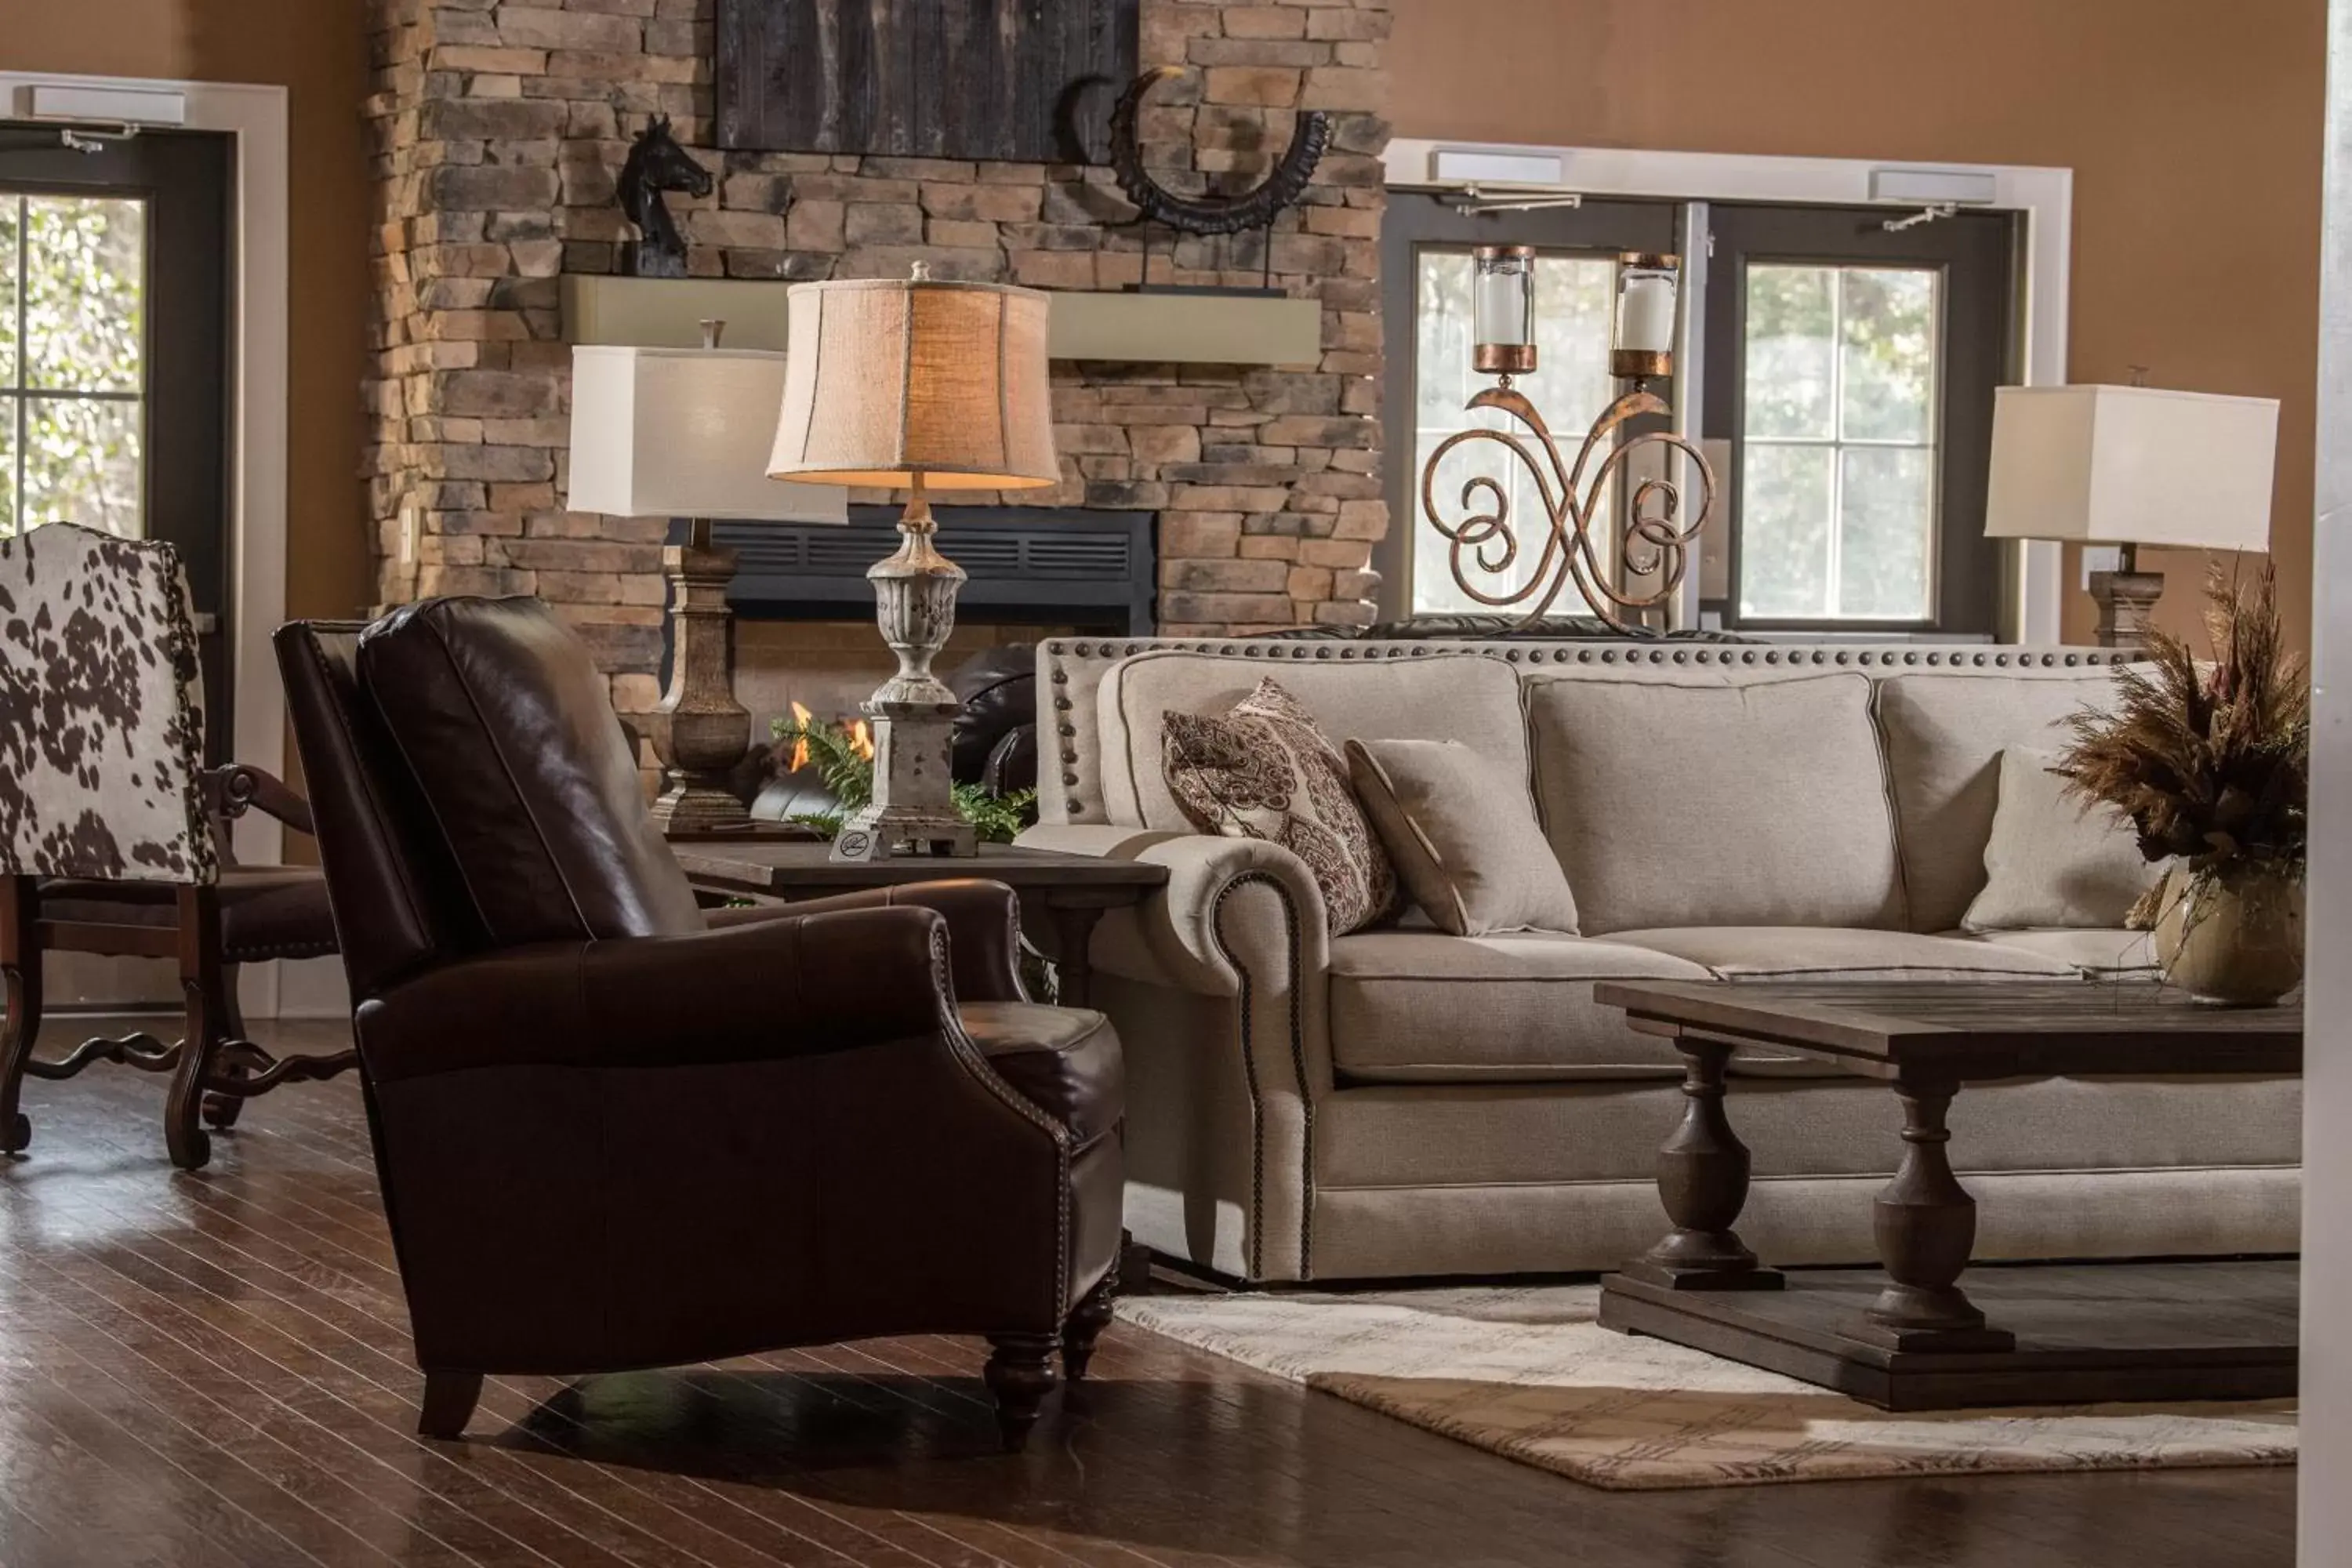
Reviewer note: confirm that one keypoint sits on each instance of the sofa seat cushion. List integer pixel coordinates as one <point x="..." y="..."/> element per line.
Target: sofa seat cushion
<point x="1066" y="1061"/>
<point x="1824" y="952"/>
<point x="1679" y="797"/>
<point x="1411" y="1006"/>
<point x="2099" y="954"/>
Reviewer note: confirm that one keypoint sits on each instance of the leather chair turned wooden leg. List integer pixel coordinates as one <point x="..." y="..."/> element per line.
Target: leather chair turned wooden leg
<point x="449" y="1401"/>
<point x="1020" y="1374"/>
<point x="1088" y="1318"/>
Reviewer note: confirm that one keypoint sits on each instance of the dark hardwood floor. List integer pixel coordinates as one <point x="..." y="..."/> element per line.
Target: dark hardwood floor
<point x="214" y="1369"/>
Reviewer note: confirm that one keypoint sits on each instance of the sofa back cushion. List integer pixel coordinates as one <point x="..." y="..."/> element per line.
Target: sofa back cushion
<point x="1730" y="798"/>
<point x="1444" y="696"/>
<point x="1944" y="735"/>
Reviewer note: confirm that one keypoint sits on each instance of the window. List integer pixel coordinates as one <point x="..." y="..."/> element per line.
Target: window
<point x="1850" y="366"/>
<point x="72" y="360"/>
<point x="1838" y="464"/>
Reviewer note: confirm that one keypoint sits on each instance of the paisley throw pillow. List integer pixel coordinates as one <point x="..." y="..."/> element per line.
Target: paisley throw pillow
<point x="1264" y="770"/>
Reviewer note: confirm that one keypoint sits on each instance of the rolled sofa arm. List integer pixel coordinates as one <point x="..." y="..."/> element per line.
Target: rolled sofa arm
<point x="795" y="986"/>
<point x="1228" y="901"/>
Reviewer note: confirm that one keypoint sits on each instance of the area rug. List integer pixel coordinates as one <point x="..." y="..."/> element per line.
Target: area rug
<point x="1529" y="1374"/>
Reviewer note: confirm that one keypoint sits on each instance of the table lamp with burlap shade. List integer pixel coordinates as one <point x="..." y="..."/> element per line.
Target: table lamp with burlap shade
<point x="914" y="384"/>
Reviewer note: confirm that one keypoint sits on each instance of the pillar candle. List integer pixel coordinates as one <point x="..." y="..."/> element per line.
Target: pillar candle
<point x="1645" y="313"/>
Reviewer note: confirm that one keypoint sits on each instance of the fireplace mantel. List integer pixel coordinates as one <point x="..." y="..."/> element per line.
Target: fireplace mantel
<point x="1101" y="325"/>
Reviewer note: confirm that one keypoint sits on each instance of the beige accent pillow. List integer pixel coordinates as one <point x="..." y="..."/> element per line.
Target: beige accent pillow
<point x="2052" y="862"/>
<point x="1945" y="731"/>
<point x="1463" y="835"/>
<point x="1264" y="770"/>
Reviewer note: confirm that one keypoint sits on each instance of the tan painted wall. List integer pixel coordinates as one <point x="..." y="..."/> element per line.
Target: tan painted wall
<point x="318" y="49"/>
<point x="2194" y="131"/>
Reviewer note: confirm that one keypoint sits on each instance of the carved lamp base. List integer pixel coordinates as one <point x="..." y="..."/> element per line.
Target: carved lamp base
<point x="913" y="809"/>
<point x="2126" y="601"/>
<point x="700" y="731"/>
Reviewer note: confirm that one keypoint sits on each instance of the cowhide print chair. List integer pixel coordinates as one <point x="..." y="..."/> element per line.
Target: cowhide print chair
<point x="112" y="831"/>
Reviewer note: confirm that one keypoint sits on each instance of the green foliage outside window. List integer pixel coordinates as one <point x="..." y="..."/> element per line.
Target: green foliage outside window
<point x="72" y="361"/>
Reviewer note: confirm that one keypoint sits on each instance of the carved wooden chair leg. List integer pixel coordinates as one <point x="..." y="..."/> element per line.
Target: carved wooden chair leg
<point x="1088" y="1318"/>
<point x="20" y="966"/>
<point x="200" y="985"/>
<point x="1020" y="1374"/>
<point x="449" y="1401"/>
<point x="220" y="1111"/>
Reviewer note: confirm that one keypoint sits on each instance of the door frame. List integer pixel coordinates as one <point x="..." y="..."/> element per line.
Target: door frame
<point x="254" y="117"/>
<point x="2043" y="197"/>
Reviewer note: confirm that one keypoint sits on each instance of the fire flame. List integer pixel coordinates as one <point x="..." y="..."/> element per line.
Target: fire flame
<point x="861" y="738"/>
<point x="800" y="747"/>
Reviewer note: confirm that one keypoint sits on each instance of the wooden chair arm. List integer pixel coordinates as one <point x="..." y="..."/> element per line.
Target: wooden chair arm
<point x="231" y="791"/>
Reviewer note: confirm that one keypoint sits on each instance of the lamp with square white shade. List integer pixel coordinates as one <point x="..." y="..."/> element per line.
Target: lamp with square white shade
<point x="2131" y="465"/>
<point x="684" y="433"/>
<point x="905" y="384"/>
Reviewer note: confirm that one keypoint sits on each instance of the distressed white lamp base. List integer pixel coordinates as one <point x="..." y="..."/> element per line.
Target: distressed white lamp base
<point x="913" y="809"/>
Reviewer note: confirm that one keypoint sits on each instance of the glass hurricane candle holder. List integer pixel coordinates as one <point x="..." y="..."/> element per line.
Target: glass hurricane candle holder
<point x="1643" y="345"/>
<point x="1503" y="309"/>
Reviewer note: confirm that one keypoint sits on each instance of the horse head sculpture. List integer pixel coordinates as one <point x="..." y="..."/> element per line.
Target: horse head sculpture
<point x="658" y="164"/>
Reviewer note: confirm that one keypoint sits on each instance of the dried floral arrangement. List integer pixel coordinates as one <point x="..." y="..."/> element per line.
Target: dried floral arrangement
<point x="2210" y="764"/>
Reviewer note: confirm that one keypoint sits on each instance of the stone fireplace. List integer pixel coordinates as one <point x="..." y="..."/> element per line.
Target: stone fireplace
<point x="499" y="130"/>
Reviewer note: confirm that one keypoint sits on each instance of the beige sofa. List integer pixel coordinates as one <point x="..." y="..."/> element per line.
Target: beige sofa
<point x="1402" y="1102"/>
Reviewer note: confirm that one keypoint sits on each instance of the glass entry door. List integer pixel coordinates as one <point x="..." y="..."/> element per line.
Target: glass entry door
<point x="115" y="392"/>
<point x="1851" y="368"/>
<point x="1425" y="245"/>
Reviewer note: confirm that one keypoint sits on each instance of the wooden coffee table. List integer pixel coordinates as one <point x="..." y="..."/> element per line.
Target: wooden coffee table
<point x="1911" y="1339"/>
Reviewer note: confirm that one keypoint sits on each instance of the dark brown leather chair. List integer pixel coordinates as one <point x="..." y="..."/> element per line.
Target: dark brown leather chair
<point x="611" y="1133"/>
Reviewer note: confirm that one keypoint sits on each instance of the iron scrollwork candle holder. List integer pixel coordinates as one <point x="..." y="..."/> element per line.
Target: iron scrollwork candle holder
<point x="1653" y="542"/>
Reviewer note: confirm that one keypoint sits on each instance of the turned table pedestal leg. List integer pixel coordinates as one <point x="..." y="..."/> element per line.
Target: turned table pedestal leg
<point x="1703" y="1183"/>
<point x="1925" y="1224"/>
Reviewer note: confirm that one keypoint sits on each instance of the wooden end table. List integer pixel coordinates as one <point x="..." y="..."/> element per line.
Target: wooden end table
<point x="1063" y="894"/>
<point x="1911" y="1339"/>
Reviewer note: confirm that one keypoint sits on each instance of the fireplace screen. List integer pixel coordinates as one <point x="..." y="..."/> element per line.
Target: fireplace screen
<point x="1028" y="566"/>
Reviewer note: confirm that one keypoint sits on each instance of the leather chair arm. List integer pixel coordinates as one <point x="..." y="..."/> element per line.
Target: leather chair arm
<point x="796" y="985"/>
<point x="984" y="928"/>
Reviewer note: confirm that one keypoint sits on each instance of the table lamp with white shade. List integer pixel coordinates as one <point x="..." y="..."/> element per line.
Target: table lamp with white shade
<point x="2131" y="465"/>
<point x="914" y="384"/>
<point x="685" y="433"/>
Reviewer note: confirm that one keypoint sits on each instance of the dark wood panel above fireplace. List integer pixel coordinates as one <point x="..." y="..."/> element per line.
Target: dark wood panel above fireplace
<point x="1023" y="83"/>
<point x="1055" y="565"/>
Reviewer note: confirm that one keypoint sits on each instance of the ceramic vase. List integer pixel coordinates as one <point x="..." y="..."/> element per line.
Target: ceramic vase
<point x="2233" y="938"/>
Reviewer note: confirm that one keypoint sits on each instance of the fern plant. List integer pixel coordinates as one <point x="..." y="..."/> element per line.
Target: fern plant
<point x="846" y="762"/>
